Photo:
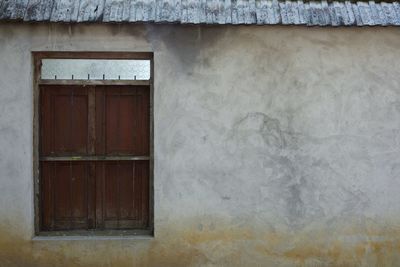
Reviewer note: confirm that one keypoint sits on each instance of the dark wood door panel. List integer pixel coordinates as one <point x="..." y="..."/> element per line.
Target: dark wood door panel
<point x="64" y="120"/>
<point x="123" y="187"/>
<point x="65" y="195"/>
<point x="122" y="121"/>
<point x="83" y="130"/>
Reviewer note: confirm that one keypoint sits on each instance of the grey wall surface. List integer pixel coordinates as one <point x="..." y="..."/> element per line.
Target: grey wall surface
<point x="274" y="146"/>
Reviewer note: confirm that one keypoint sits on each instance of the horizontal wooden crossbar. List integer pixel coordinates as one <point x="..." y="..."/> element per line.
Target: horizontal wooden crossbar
<point x="95" y="82"/>
<point x="94" y="158"/>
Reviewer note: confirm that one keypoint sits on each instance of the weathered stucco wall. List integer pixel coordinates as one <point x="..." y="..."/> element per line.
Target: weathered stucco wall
<point x="274" y="146"/>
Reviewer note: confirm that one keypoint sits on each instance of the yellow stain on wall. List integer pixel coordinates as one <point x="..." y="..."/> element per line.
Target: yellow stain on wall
<point x="221" y="244"/>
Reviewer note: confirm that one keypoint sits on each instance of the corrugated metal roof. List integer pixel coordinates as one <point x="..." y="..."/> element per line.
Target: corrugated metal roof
<point x="260" y="12"/>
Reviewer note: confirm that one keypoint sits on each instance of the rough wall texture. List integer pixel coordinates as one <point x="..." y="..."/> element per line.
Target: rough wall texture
<point x="274" y="146"/>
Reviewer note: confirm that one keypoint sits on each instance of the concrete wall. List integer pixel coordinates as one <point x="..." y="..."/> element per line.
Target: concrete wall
<point x="274" y="146"/>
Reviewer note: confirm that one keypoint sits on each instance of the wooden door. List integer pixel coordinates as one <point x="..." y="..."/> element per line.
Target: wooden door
<point x="94" y="157"/>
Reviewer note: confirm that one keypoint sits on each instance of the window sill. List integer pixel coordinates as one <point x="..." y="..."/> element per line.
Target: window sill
<point x="94" y="235"/>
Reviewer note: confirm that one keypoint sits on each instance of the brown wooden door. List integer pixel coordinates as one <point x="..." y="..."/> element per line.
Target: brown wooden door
<point x="94" y="157"/>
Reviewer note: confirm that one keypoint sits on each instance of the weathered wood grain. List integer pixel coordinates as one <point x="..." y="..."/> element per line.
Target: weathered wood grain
<point x="65" y="11"/>
<point x="34" y="11"/>
<point x="251" y="14"/>
<point x="365" y="13"/>
<point x="142" y="10"/>
<point x="382" y="19"/>
<point x="13" y="9"/>
<point x="274" y="12"/>
<point x="303" y="14"/>
<point x="113" y="11"/>
<point x="283" y="9"/>
<point x="294" y="12"/>
<point x="336" y="11"/>
<point x="389" y="13"/>
<point x="334" y="17"/>
<point x="350" y="13"/>
<point x="325" y="13"/>
<point x="261" y="12"/>
<point x="19" y="9"/>
<point x="91" y="10"/>
<point x="288" y="12"/>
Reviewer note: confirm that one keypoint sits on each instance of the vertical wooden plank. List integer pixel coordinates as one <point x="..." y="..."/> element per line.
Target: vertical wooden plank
<point x="145" y="194"/>
<point x="46" y="114"/>
<point x="62" y="121"/>
<point x="36" y="144"/>
<point x="79" y="190"/>
<point x="91" y="195"/>
<point x="151" y="162"/>
<point x="100" y="120"/>
<point x="110" y="191"/>
<point x="126" y="193"/>
<point x="118" y="196"/>
<point x="91" y="121"/>
<point x="91" y="180"/>
<point x="138" y="180"/>
<point x="62" y="191"/>
<point x="112" y="121"/>
<point x="46" y="199"/>
<point x="127" y="125"/>
<point x="100" y="188"/>
<point x="143" y="122"/>
<point x="79" y="130"/>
